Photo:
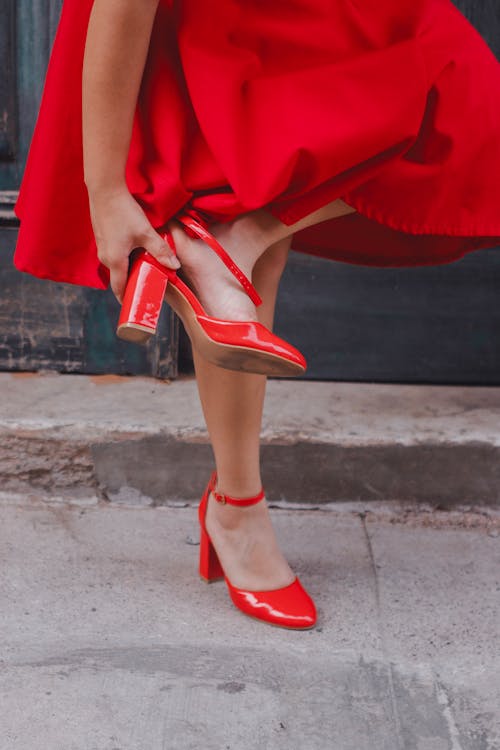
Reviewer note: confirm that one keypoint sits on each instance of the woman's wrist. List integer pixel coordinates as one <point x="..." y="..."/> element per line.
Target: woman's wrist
<point x="102" y="190"/>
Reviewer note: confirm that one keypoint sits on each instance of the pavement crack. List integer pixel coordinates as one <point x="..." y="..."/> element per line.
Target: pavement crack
<point x="371" y="556"/>
<point x="383" y="643"/>
<point x="444" y="702"/>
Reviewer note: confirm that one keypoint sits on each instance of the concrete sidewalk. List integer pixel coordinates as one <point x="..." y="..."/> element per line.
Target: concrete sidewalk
<point x="111" y="642"/>
<point x="143" y="440"/>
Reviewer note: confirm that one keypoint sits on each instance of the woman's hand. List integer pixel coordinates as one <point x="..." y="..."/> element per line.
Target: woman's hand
<point x="120" y="225"/>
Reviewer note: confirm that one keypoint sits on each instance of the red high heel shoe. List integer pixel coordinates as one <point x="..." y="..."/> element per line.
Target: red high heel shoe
<point x="235" y="345"/>
<point x="288" y="607"/>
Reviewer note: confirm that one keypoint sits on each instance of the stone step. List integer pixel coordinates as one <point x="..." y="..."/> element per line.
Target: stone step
<point x="138" y="439"/>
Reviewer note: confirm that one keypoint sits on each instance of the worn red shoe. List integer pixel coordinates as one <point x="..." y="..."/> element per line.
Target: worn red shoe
<point x="288" y="607"/>
<point x="235" y="345"/>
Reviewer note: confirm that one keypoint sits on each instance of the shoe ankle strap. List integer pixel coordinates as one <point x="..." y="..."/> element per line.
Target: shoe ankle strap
<point x="201" y="231"/>
<point x="224" y="499"/>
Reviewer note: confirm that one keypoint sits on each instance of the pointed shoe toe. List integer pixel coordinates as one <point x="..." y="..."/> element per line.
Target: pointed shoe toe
<point x="289" y="607"/>
<point x="266" y="353"/>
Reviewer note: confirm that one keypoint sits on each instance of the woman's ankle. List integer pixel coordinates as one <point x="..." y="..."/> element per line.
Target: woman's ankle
<point x="230" y="518"/>
<point x="254" y="231"/>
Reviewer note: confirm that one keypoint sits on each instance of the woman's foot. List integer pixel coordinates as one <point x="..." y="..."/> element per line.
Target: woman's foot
<point x="245" y="239"/>
<point x="219" y="292"/>
<point x="247" y="547"/>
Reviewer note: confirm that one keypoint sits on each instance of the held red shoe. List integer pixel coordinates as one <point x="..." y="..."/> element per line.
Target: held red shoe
<point x="288" y="607"/>
<point x="234" y="345"/>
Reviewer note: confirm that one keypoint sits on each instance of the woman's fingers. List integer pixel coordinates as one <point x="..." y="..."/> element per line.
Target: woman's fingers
<point x="120" y="226"/>
<point x="118" y="262"/>
<point x="155" y="245"/>
<point x="118" y="273"/>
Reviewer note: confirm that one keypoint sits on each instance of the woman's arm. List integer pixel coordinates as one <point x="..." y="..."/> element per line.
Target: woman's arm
<point x="115" y="54"/>
<point x="117" y="44"/>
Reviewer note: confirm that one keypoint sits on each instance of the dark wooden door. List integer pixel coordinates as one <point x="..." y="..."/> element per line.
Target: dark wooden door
<point x="436" y="324"/>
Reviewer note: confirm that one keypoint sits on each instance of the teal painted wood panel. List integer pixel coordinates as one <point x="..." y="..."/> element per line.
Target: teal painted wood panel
<point x="46" y="325"/>
<point x="24" y="54"/>
<point x="8" y="84"/>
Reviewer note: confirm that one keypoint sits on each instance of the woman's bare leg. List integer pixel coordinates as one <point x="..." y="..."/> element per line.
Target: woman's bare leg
<point x="245" y="238"/>
<point x="232" y="403"/>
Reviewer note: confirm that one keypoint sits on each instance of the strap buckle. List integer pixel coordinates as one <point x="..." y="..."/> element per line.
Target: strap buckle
<point x="220" y="497"/>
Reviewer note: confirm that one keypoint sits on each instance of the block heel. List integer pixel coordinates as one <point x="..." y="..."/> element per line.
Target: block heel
<point x="209" y="567"/>
<point x="142" y="301"/>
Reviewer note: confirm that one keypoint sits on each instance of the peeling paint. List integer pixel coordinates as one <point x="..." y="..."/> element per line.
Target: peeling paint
<point x="46" y="325"/>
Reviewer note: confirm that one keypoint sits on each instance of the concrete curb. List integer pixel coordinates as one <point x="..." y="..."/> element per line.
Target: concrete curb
<point x="142" y="440"/>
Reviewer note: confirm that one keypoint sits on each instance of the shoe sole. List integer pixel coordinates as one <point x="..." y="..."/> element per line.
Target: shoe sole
<point x="134" y="332"/>
<point x="228" y="356"/>
<point x="211" y="580"/>
<point x="275" y="624"/>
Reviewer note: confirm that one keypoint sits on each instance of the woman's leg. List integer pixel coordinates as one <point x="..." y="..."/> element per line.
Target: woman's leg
<point x="245" y="238"/>
<point x="232" y="404"/>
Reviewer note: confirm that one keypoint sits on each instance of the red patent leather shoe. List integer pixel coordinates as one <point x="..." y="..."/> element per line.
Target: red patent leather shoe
<point x="235" y="345"/>
<point x="288" y="607"/>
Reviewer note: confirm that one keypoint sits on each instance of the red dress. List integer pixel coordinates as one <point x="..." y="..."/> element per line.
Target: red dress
<point x="391" y="105"/>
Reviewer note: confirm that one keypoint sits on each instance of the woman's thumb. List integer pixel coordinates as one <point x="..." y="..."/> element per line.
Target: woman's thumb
<point x="155" y="245"/>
